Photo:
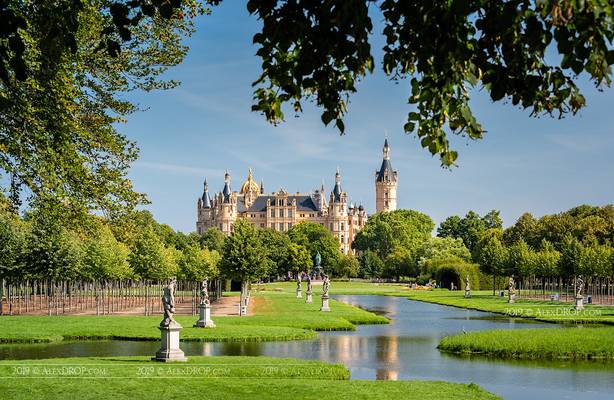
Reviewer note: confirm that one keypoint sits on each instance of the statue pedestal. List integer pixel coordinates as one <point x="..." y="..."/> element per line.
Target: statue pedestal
<point x="299" y="293"/>
<point x="169" y="346"/>
<point x="204" y="320"/>
<point x="242" y="309"/>
<point x="467" y="294"/>
<point x="309" y="298"/>
<point x="325" y="306"/>
<point x="511" y="298"/>
<point x="579" y="303"/>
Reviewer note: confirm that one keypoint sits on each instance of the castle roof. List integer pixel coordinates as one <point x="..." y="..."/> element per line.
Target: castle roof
<point x="386" y="173"/>
<point x="303" y="203"/>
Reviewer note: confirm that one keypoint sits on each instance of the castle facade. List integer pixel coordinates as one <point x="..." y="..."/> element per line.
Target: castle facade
<point x="281" y="210"/>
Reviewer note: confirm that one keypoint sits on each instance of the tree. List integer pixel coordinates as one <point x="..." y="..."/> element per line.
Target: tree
<point x="299" y="259"/>
<point x="371" y="266"/>
<point x="244" y="258"/>
<point x="524" y="229"/>
<point x="196" y="264"/>
<point x="469" y="228"/>
<point x="105" y="257"/>
<point x="386" y="231"/>
<point x="61" y="95"/>
<point x="52" y="251"/>
<point x="491" y="254"/>
<point x="398" y="263"/>
<point x="520" y="259"/>
<point x="150" y="259"/>
<point x="213" y="239"/>
<point x="12" y="243"/>
<point x="277" y="246"/>
<point x="442" y="247"/>
<point x="444" y="49"/>
<point x="347" y="267"/>
<point x="316" y="238"/>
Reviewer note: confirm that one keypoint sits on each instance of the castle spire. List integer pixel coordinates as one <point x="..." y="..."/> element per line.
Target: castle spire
<point x="206" y="199"/>
<point x="227" y="189"/>
<point x="337" y="189"/>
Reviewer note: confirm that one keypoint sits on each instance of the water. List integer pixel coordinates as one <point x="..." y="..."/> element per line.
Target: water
<point x="404" y="349"/>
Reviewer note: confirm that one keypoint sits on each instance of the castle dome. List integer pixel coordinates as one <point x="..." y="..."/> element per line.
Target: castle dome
<point x="250" y="184"/>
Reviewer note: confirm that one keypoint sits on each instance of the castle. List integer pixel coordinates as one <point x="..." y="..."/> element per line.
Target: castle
<point x="281" y="210"/>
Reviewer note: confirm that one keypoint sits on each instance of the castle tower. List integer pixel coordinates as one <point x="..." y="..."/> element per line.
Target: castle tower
<point x="338" y="215"/>
<point x="386" y="184"/>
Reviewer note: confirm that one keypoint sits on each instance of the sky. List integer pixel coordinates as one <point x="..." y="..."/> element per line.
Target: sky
<point x="205" y="126"/>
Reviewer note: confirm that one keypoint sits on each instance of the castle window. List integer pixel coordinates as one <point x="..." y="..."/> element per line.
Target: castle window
<point x="281" y="213"/>
<point x="221" y="227"/>
<point x="290" y="213"/>
<point x="342" y="226"/>
<point x="272" y="225"/>
<point x="262" y="224"/>
<point x="281" y="226"/>
<point x="289" y="225"/>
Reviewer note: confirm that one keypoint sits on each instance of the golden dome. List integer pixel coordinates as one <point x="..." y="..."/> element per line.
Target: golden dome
<point x="250" y="184"/>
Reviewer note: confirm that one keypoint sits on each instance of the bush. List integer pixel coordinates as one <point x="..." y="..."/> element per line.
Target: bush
<point x="451" y="270"/>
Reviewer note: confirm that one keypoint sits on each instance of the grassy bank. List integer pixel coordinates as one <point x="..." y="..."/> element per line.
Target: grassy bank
<point x="569" y="343"/>
<point x="278" y="316"/>
<point x="234" y="378"/>
<point x="546" y="311"/>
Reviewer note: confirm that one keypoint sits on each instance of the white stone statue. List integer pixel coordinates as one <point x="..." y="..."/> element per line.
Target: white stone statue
<point x="467" y="287"/>
<point x="204" y="292"/>
<point x="325" y="286"/>
<point x="168" y="302"/>
<point x="579" y="286"/>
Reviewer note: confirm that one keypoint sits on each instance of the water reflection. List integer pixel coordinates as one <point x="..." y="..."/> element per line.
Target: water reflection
<point x="404" y="349"/>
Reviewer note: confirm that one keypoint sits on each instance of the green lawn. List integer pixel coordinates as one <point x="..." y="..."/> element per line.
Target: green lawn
<point x="569" y="343"/>
<point x="546" y="311"/>
<point x="279" y="316"/>
<point x="223" y="378"/>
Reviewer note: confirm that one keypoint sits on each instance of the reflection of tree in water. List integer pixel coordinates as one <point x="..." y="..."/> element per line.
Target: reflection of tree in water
<point x="387" y="353"/>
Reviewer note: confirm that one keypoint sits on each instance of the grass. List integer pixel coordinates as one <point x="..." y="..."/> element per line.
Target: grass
<point x="545" y="311"/>
<point x="279" y="316"/>
<point x="222" y="378"/>
<point x="588" y="343"/>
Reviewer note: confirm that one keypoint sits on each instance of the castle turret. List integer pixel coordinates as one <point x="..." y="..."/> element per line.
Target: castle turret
<point x="226" y="192"/>
<point x="386" y="184"/>
<point x="206" y="200"/>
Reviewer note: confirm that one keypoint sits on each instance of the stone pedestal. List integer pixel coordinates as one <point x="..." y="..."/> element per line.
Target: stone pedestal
<point x="204" y="317"/>
<point x="579" y="303"/>
<point x="467" y="294"/>
<point x="243" y="308"/>
<point x="309" y="298"/>
<point x="325" y="306"/>
<point x="511" y="298"/>
<point x="169" y="346"/>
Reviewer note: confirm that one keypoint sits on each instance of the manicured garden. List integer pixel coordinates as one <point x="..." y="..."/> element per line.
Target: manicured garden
<point x="213" y="377"/>
<point x="278" y="316"/>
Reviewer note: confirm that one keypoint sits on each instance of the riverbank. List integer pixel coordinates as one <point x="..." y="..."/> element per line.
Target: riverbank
<point x="278" y="316"/>
<point x="234" y="378"/>
<point x="589" y="343"/>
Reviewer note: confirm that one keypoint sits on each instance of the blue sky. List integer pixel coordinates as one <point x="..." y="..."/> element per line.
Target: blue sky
<point x="205" y="126"/>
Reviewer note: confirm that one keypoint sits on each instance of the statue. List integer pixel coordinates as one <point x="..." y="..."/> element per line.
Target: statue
<point x="467" y="287"/>
<point x="325" y="286"/>
<point x="511" y="289"/>
<point x="579" y="286"/>
<point x="168" y="302"/>
<point x="309" y="298"/>
<point x="169" y="328"/>
<point x="204" y="292"/>
<point x="579" y="298"/>
<point x="298" y="286"/>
